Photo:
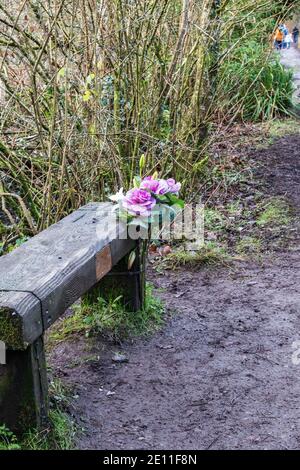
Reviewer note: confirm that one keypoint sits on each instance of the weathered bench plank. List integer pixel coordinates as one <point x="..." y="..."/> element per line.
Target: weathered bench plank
<point x="63" y="262"/>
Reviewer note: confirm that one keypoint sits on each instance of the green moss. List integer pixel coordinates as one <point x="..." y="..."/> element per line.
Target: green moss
<point x="10" y="329"/>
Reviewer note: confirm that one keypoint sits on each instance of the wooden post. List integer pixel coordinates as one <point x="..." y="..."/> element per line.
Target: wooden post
<point x="121" y="281"/>
<point x="24" y="389"/>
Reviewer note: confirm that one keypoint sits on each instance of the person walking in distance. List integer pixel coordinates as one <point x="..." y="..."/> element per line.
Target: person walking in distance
<point x="278" y="39"/>
<point x="296" y="35"/>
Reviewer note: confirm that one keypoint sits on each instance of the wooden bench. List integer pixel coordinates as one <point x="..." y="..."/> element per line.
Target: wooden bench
<point x="39" y="281"/>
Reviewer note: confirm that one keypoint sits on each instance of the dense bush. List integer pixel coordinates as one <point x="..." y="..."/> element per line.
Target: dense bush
<point x="87" y="87"/>
<point x="256" y="86"/>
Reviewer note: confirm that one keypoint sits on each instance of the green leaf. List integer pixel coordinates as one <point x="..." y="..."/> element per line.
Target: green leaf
<point x="86" y="95"/>
<point x="137" y="181"/>
<point x="62" y="72"/>
<point x="131" y="259"/>
<point x="161" y="199"/>
<point x="174" y="200"/>
<point x="198" y="166"/>
<point x="92" y="129"/>
<point x="142" y="162"/>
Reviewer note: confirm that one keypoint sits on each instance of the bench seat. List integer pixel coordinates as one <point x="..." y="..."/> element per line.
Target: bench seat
<point x="39" y="281"/>
<point x="47" y="274"/>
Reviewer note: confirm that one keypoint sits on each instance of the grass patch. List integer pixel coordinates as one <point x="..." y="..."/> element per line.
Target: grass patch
<point x="249" y="245"/>
<point x="8" y="440"/>
<point x="214" y="220"/>
<point x="276" y="129"/>
<point x="211" y="254"/>
<point x="110" y="316"/>
<point x="276" y="212"/>
<point x="282" y="127"/>
<point x="58" y="435"/>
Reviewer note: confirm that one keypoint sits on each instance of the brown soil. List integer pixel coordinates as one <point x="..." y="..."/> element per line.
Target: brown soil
<point x="219" y="375"/>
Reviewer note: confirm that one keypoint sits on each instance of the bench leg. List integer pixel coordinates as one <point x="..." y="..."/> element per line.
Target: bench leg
<point x="24" y="389"/>
<point x="130" y="284"/>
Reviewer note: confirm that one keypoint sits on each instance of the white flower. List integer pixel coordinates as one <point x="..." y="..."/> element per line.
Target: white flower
<point x="118" y="196"/>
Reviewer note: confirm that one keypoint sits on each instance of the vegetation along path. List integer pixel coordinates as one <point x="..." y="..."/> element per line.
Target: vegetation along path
<point x="222" y="372"/>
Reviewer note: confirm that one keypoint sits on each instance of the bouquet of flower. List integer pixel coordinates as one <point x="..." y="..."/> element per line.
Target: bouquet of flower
<point x="150" y="200"/>
<point x="149" y="197"/>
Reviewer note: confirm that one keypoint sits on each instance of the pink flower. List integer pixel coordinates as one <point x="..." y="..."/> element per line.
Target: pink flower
<point x="173" y="187"/>
<point x="150" y="184"/>
<point x="158" y="187"/>
<point x="138" y="202"/>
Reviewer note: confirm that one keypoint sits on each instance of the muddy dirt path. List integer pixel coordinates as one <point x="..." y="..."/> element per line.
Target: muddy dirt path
<point x="220" y="374"/>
